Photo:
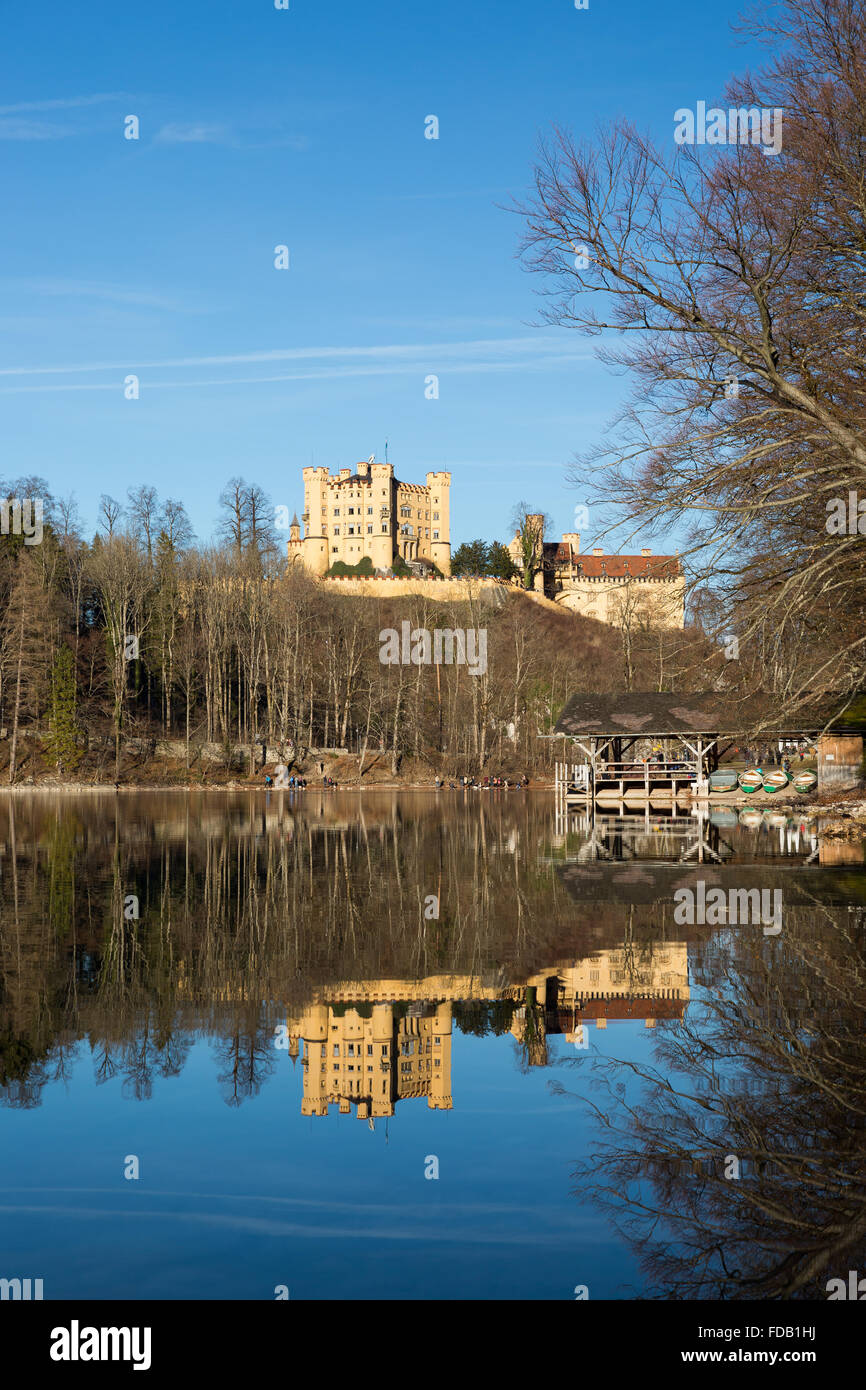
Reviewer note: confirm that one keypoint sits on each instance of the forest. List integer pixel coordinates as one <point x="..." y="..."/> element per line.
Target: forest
<point x="143" y="634"/>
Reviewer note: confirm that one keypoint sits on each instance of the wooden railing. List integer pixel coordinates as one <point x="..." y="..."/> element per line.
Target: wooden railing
<point x="681" y="769"/>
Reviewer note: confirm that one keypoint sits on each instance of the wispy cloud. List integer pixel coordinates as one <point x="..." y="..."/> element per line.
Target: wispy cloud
<point x="96" y="290"/>
<point x="17" y="129"/>
<point x="61" y="103"/>
<point x="230" y="137"/>
<point x="194" y="133"/>
<point x="426" y="354"/>
<point x="420" y="368"/>
<point x="15" y="122"/>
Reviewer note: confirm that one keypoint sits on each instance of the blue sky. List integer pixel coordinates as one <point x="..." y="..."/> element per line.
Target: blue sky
<point x="261" y="127"/>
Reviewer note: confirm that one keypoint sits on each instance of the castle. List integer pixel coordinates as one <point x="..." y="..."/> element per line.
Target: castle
<point x="366" y="511"/>
<point x="610" y="588"/>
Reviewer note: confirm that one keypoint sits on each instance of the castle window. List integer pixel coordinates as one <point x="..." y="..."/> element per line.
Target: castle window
<point x="334" y="549"/>
<point x="435" y="535"/>
<point x="369" y="511"/>
<point x="369" y="530"/>
<point x="336" y="511"/>
<point x="351" y="511"/>
<point x="435" y="516"/>
<point x="336" y="530"/>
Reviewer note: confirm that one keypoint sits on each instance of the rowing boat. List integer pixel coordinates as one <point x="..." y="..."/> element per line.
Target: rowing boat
<point x="724" y="780"/>
<point x="775" y="781"/>
<point x="805" y="781"/>
<point x="751" y="780"/>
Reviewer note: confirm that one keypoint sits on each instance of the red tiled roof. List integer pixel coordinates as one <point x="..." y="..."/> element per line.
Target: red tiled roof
<point x="621" y="566"/>
<point x="631" y="1008"/>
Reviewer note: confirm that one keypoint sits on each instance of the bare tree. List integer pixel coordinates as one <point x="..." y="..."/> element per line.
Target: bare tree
<point x="110" y="512"/>
<point x="121" y="577"/>
<point x="734" y="281"/>
<point x="142" y="512"/>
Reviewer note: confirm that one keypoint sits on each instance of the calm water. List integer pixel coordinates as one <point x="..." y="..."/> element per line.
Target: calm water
<point x="409" y="1046"/>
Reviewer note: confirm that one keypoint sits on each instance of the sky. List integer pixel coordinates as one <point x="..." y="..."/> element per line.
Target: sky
<point x="305" y="128"/>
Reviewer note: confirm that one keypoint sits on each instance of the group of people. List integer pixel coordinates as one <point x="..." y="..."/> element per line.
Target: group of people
<point x="780" y="755"/>
<point x="486" y="784"/>
<point x="296" y="783"/>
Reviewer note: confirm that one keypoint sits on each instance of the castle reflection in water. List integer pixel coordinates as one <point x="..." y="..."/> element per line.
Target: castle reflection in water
<point x="371" y="1044"/>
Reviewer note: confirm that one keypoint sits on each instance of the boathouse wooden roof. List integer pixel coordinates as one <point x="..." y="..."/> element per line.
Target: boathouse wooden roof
<point x="651" y="714"/>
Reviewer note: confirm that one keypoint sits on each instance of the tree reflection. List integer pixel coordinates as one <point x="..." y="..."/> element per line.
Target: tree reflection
<point x="734" y="1165"/>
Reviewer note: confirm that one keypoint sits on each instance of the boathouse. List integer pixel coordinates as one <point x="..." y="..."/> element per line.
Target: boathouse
<point x="654" y="747"/>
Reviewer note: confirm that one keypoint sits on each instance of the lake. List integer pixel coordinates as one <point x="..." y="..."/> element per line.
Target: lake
<point x="411" y="1046"/>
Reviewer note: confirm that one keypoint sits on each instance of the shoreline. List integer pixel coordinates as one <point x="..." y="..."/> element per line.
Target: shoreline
<point x="109" y="787"/>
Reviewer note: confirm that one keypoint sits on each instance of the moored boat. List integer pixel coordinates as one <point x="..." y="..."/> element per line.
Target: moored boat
<point x="724" y="819"/>
<point x="805" y="781"/>
<point x="775" y="781"/>
<point x="723" y="780"/>
<point x="751" y="780"/>
<point x="751" y="819"/>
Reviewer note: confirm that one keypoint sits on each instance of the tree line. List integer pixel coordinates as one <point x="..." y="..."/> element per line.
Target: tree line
<point x="144" y="632"/>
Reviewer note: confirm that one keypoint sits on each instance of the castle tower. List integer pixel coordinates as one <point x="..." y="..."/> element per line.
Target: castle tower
<point x="382" y="1033"/>
<point x="314" y="1027"/>
<point x="439" y="1097"/>
<point x="295" y="546"/>
<point x="315" y="511"/>
<point x="383" y="501"/>
<point x="439" y="488"/>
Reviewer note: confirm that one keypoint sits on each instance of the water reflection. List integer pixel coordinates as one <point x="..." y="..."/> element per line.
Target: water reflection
<point x="355" y="939"/>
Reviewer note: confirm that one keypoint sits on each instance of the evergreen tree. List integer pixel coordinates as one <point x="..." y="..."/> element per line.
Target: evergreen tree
<point x="499" y="562"/>
<point x="62" y="740"/>
<point x="470" y="559"/>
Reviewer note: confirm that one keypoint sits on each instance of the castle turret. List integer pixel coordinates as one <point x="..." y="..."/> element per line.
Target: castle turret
<point x="382" y="500"/>
<point x="439" y="1097"/>
<point x="315" y="536"/>
<point x="439" y="485"/>
<point x="382" y="1033"/>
